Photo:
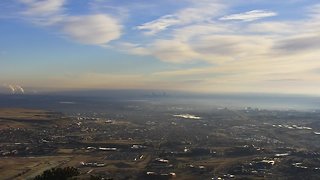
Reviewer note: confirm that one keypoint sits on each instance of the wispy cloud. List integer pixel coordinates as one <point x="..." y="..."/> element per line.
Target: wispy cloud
<point x="173" y="51"/>
<point x="95" y="29"/>
<point x="43" y="7"/>
<point x="160" y="24"/>
<point x="250" y="15"/>
<point x="200" y="12"/>
<point x="223" y="42"/>
<point x="131" y="48"/>
<point x="298" y="44"/>
<point x="314" y="11"/>
<point x="91" y="29"/>
<point x="241" y="55"/>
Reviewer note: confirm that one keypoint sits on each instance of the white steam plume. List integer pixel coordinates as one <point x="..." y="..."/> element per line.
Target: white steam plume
<point x="12" y="88"/>
<point x="20" y="88"/>
<point x="15" y="89"/>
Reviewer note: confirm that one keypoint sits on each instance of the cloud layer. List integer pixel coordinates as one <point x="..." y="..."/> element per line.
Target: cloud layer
<point x="244" y="54"/>
<point x="209" y="45"/>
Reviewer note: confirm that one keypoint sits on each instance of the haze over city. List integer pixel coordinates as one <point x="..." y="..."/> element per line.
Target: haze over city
<point x="209" y="46"/>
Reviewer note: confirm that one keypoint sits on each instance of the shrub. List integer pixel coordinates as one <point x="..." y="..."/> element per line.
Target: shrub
<point x="58" y="173"/>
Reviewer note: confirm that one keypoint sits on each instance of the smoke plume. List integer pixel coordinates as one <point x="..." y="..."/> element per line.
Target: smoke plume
<point x="15" y="89"/>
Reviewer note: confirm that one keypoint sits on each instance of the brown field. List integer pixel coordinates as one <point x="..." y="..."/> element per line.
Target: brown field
<point x="28" y="167"/>
<point x="24" y="114"/>
<point x="22" y="118"/>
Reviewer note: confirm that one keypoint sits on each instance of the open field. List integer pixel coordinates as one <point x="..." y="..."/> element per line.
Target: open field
<point x="28" y="167"/>
<point x="25" y="114"/>
<point x="24" y="118"/>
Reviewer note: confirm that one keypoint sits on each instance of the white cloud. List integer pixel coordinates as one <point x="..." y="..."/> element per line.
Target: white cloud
<point x="241" y="56"/>
<point x="43" y="7"/>
<point x="222" y="48"/>
<point x="173" y="51"/>
<point x="92" y="29"/>
<point x="193" y="31"/>
<point x="160" y="24"/>
<point x="250" y="15"/>
<point x="193" y="34"/>
<point x="272" y="27"/>
<point x="132" y="48"/>
<point x="201" y="12"/>
<point x="214" y="49"/>
<point x="315" y="11"/>
<point x="221" y="42"/>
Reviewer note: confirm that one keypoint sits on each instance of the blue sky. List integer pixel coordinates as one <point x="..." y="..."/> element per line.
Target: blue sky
<point x="192" y="45"/>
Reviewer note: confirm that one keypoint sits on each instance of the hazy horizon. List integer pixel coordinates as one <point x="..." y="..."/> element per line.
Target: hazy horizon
<point x="86" y="100"/>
